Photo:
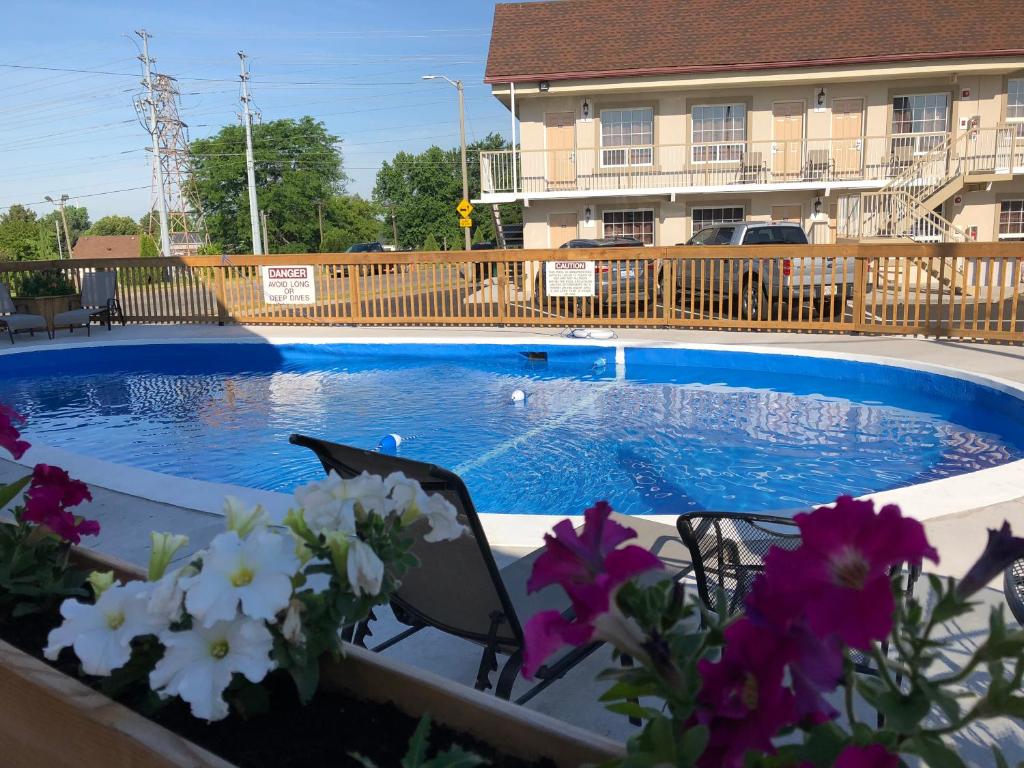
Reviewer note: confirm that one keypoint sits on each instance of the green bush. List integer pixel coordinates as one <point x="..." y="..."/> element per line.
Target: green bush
<point x="45" y="283"/>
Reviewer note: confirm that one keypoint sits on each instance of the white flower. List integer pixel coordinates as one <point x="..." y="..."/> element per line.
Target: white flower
<point x="443" y="519"/>
<point x="364" y="569"/>
<point x="163" y="548"/>
<point x="256" y="572"/>
<point x="167" y="597"/>
<point x="241" y="520"/>
<point x="198" y="664"/>
<point x="334" y="504"/>
<point x="407" y="498"/>
<point x="101" y="633"/>
<point x="291" y="628"/>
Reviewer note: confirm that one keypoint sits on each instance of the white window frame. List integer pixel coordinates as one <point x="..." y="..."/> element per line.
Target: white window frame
<point x="917" y="144"/>
<point x="694" y="229"/>
<point x="1019" y="119"/>
<point x="626" y="149"/>
<point x="694" y="144"/>
<point x="1010" y="235"/>
<point x="654" y="222"/>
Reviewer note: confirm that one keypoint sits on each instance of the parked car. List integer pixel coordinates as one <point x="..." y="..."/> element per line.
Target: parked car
<point x="619" y="282"/>
<point x="758" y="284"/>
<point x="374" y="247"/>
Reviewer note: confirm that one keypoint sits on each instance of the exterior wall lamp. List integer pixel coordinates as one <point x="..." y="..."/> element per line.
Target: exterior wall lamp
<point x="544" y="86"/>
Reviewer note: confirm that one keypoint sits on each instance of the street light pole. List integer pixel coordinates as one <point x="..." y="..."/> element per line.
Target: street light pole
<point x="64" y="220"/>
<point x="462" y="144"/>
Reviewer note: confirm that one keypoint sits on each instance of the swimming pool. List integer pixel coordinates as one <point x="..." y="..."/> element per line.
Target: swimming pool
<point x="661" y="432"/>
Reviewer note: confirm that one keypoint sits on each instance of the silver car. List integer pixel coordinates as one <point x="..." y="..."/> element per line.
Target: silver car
<point x="759" y="284"/>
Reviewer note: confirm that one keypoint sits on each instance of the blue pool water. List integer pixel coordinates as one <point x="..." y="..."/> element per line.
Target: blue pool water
<point x="676" y="430"/>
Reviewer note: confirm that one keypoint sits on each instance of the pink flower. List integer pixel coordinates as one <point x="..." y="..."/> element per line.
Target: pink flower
<point x="871" y="756"/>
<point x="590" y="569"/>
<point x="49" y="495"/>
<point x="9" y="435"/>
<point x="839" y="576"/>
<point x="742" y="700"/>
<point x="1001" y="549"/>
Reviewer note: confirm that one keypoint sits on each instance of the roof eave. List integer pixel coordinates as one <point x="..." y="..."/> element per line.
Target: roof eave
<point x="753" y="67"/>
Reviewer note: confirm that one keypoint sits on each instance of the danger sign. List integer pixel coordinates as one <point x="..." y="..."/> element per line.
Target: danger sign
<point x="288" y="285"/>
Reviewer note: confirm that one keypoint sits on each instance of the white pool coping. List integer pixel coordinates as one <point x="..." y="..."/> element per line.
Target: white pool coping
<point x="922" y="501"/>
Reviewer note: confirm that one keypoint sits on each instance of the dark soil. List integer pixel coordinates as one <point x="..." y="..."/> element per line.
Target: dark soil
<point x="325" y="733"/>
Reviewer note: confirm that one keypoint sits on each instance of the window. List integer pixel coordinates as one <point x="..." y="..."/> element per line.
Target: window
<point x="708" y="217"/>
<point x="920" y="114"/>
<point x="775" y="236"/>
<point x="1015" y="104"/>
<point x="1011" y="220"/>
<point x="627" y="136"/>
<point x="638" y="224"/>
<point x="718" y="132"/>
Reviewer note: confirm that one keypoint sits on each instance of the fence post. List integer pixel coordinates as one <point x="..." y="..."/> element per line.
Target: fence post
<point x="503" y="293"/>
<point x="860" y="286"/>
<point x="220" y="292"/>
<point x="354" y="298"/>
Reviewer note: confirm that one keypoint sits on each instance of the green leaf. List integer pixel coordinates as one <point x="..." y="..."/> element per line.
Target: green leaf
<point x="694" y="742"/>
<point x="362" y="760"/>
<point x="455" y="757"/>
<point x="306" y="677"/>
<point x="903" y="713"/>
<point x="417" y="751"/>
<point x="632" y="709"/>
<point x="9" y="491"/>
<point x="935" y="752"/>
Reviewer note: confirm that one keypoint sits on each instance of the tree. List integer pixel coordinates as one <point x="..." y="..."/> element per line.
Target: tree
<point x="20" y="233"/>
<point x="298" y="165"/>
<point x="430" y="244"/>
<point x="349" y="220"/>
<point x="422" y="192"/>
<point x="114" y="225"/>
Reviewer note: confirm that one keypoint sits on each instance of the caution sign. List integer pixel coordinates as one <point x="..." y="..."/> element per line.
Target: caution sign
<point x="466" y="223"/>
<point x="288" y="285"/>
<point x="464" y="209"/>
<point x="569" y="278"/>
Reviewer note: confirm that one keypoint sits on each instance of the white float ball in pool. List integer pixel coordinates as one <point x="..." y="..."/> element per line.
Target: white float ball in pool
<point x="518" y="396"/>
<point x="389" y="443"/>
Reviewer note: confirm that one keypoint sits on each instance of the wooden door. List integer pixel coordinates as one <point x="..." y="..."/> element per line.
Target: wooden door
<point x="788" y="213"/>
<point x="787" y="139"/>
<point x="561" y="228"/>
<point x="560" y="143"/>
<point x="847" y="137"/>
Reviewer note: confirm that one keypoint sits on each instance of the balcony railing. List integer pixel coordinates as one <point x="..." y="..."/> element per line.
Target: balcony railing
<point x="682" y="166"/>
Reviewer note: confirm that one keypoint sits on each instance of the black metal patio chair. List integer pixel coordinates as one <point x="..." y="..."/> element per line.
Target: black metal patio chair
<point x="728" y="550"/>
<point x="459" y="589"/>
<point x="1013" y="589"/>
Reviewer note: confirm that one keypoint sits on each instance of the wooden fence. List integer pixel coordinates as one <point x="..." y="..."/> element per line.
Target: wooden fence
<point x="956" y="290"/>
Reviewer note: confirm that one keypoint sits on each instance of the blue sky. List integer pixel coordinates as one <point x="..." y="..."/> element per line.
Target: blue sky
<point x="355" y="64"/>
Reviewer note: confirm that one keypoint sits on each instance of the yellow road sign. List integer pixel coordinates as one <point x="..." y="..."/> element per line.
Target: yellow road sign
<point x="464" y="208"/>
<point x="466" y="222"/>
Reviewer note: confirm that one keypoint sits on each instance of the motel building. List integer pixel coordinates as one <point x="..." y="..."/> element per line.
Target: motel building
<point x="869" y="120"/>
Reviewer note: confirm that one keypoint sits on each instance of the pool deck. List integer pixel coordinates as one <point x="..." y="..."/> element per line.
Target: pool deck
<point x="959" y="535"/>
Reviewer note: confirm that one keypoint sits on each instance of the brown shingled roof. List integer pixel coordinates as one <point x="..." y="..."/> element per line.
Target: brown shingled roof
<point x="106" y="247"/>
<point x="565" y="39"/>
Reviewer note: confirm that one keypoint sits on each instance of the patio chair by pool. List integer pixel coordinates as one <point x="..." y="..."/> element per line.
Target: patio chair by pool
<point x="728" y="551"/>
<point x="1013" y="588"/>
<point x="18" y="322"/>
<point x="459" y="589"/>
<point x="99" y="302"/>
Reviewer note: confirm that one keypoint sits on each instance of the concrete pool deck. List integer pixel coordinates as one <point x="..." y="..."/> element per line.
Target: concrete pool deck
<point x="959" y="535"/>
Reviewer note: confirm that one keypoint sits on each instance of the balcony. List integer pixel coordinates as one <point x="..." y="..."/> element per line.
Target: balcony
<point x="866" y="162"/>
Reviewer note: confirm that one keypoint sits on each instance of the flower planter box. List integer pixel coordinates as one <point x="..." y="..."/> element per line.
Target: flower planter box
<point x="51" y="719"/>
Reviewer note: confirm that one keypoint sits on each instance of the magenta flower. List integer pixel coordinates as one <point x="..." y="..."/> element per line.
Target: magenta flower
<point x="9" y="435"/>
<point x="742" y="700"/>
<point x="1001" y="549"/>
<point x="839" y="576"/>
<point x="590" y="569"/>
<point x="871" y="756"/>
<point x="49" y="495"/>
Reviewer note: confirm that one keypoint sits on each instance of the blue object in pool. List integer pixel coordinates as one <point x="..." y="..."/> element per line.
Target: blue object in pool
<point x="670" y="431"/>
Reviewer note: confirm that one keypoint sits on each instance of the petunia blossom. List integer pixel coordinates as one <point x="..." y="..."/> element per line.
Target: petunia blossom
<point x="101" y="633"/>
<point x="742" y="700"/>
<point x="591" y="570"/>
<point x="9" y="434"/>
<point x="50" y="493"/>
<point x="364" y="568"/>
<point x="198" y="664"/>
<point x="255" y="573"/>
<point x="871" y="756"/>
<point x="839" y="575"/>
<point x="1001" y="549"/>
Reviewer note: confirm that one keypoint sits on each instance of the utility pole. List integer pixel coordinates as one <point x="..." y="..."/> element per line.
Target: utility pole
<point x="64" y="219"/>
<point x="60" y="248"/>
<point x="457" y="84"/>
<point x="394" y="229"/>
<point x="250" y="163"/>
<point x="161" y="202"/>
<point x="320" y="220"/>
<point x="263" y="216"/>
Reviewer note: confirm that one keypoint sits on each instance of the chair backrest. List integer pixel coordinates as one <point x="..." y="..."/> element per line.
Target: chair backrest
<point x="98" y="288"/>
<point x="728" y="551"/>
<point x="6" y="305"/>
<point x="457" y="587"/>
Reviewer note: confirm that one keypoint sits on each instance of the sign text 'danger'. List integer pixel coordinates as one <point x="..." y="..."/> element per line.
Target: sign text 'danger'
<point x="288" y="285"/>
